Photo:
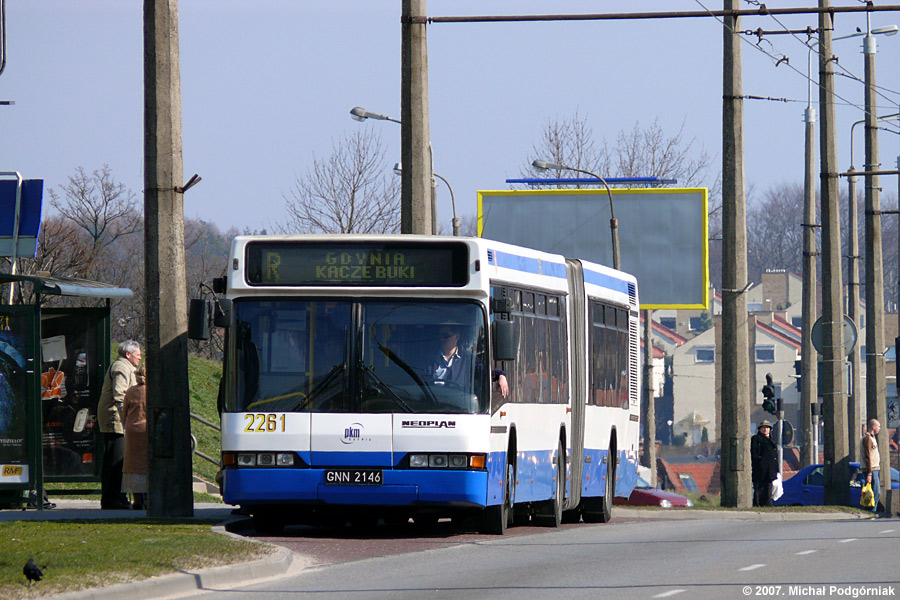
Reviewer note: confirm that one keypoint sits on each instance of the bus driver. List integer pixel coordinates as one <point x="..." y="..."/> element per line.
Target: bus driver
<point x="453" y="364"/>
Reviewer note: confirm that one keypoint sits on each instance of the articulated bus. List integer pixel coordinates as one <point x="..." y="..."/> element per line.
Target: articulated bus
<point x="407" y="377"/>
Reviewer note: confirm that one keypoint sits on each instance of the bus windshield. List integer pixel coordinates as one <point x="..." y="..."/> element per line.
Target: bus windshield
<point x="375" y="356"/>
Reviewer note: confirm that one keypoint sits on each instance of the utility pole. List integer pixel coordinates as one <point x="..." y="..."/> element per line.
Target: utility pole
<point x="808" y="366"/>
<point x="168" y="420"/>
<point x="876" y="392"/>
<point x="853" y="402"/>
<point x="837" y="473"/>
<point x="736" y="482"/>
<point x="416" y="192"/>
<point x="649" y="416"/>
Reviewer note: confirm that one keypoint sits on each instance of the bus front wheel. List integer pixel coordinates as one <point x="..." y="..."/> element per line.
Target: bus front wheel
<point x="495" y="519"/>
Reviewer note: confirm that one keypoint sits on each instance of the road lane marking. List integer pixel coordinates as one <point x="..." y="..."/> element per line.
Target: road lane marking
<point x="669" y="593"/>
<point x="887" y="531"/>
<point x="847" y="540"/>
<point x="751" y="568"/>
<point x="805" y="552"/>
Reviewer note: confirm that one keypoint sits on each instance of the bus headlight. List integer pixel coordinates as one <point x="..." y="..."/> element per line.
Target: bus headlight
<point x="459" y="461"/>
<point x="265" y="460"/>
<point x="417" y="461"/>
<point x="246" y="459"/>
<point x="437" y="460"/>
<point x="285" y="459"/>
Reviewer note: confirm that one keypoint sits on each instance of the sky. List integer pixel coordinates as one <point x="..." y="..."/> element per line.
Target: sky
<point x="267" y="86"/>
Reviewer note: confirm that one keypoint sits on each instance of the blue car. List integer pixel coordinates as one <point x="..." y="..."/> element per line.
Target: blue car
<point x="807" y="486"/>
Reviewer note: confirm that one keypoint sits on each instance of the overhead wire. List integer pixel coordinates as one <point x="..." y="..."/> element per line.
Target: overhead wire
<point x="846" y="72"/>
<point x="778" y="60"/>
<point x="782" y="59"/>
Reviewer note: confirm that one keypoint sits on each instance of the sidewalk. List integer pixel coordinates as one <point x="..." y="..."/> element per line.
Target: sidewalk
<point x="175" y="584"/>
<point x="90" y="509"/>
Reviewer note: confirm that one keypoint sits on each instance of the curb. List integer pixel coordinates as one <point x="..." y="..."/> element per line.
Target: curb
<point x="185" y="582"/>
<point x="745" y="515"/>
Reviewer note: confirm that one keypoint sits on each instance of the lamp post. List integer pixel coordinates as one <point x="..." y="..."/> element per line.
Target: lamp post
<point x="398" y="170"/>
<point x="358" y="113"/>
<point x="808" y="383"/>
<point x="875" y="365"/>
<point x="542" y="165"/>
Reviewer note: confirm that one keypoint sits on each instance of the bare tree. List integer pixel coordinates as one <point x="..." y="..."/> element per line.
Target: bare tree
<point x="350" y="191"/>
<point x="774" y="234"/>
<point x="568" y="142"/>
<point x="61" y="252"/>
<point x="105" y="209"/>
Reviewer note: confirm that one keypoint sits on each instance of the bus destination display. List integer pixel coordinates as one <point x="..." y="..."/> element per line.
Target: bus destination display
<point x="400" y="264"/>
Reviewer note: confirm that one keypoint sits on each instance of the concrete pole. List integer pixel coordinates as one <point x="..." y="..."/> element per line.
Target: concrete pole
<point x="649" y="416"/>
<point x="808" y="367"/>
<point x="736" y="483"/>
<point x="168" y="411"/>
<point x="876" y="390"/>
<point x="853" y="401"/>
<point x="834" y="406"/>
<point x="415" y="156"/>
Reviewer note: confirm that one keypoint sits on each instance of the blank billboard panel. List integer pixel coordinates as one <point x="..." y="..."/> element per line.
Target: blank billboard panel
<point x="662" y="234"/>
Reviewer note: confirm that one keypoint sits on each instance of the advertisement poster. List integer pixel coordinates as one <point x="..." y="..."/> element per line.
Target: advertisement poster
<point x="13" y="424"/>
<point x="68" y="397"/>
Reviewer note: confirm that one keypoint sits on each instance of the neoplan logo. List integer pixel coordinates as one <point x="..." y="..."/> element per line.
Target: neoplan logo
<point x="429" y="424"/>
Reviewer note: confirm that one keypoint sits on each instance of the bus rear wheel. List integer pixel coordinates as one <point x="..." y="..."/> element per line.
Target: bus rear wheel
<point x="599" y="510"/>
<point x="550" y="512"/>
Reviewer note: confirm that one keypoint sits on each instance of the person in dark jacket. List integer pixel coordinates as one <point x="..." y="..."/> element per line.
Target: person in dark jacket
<point x="764" y="462"/>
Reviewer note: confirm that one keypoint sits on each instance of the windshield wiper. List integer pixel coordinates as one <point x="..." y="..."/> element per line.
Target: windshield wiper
<point x="391" y="393"/>
<point x="321" y="386"/>
<point x="409" y="371"/>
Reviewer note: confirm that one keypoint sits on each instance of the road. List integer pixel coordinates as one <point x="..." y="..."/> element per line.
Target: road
<point x="628" y="558"/>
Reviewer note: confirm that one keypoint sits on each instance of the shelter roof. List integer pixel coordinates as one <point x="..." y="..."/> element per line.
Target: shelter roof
<point x="68" y="286"/>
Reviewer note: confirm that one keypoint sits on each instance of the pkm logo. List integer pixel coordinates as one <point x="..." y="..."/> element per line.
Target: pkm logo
<point x="353" y="433"/>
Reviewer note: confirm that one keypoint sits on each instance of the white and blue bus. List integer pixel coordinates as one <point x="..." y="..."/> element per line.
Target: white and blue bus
<point x="398" y="377"/>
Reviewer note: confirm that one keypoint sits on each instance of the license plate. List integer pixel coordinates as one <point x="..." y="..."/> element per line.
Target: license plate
<point x="353" y="477"/>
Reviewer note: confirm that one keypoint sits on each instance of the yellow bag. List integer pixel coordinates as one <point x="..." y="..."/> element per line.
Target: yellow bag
<point x="867" y="499"/>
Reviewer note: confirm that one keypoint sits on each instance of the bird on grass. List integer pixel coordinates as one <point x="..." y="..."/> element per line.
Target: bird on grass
<point x="32" y="571"/>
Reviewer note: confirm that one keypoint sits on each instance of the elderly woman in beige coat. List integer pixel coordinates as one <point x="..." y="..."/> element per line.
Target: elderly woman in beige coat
<point x="134" y="416"/>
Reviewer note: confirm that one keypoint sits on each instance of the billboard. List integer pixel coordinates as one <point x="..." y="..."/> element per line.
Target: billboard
<point x="31" y="195"/>
<point x="662" y="232"/>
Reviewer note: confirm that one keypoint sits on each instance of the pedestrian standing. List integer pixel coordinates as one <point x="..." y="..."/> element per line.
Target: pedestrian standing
<point x="119" y="378"/>
<point x="134" y="415"/>
<point x="764" y="463"/>
<point x="871" y="460"/>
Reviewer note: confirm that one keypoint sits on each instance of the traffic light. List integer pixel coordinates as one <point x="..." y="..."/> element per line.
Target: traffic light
<point x="768" y="392"/>
<point x="798" y="372"/>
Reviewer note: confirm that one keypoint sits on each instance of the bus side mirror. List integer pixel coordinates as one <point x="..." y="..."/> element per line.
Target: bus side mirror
<point x="503" y="335"/>
<point x="199" y="318"/>
<point x="222" y="313"/>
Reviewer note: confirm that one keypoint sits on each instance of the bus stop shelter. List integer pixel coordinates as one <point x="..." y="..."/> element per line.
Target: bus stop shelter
<point x="52" y="364"/>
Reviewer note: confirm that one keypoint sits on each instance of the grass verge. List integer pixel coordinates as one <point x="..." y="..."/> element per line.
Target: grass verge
<point x="76" y="555"/>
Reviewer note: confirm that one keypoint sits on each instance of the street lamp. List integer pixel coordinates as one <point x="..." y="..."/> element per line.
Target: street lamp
<point x="398" y="170"/>
<point x="358" y="113"/>
<point x="542" y="165"/>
